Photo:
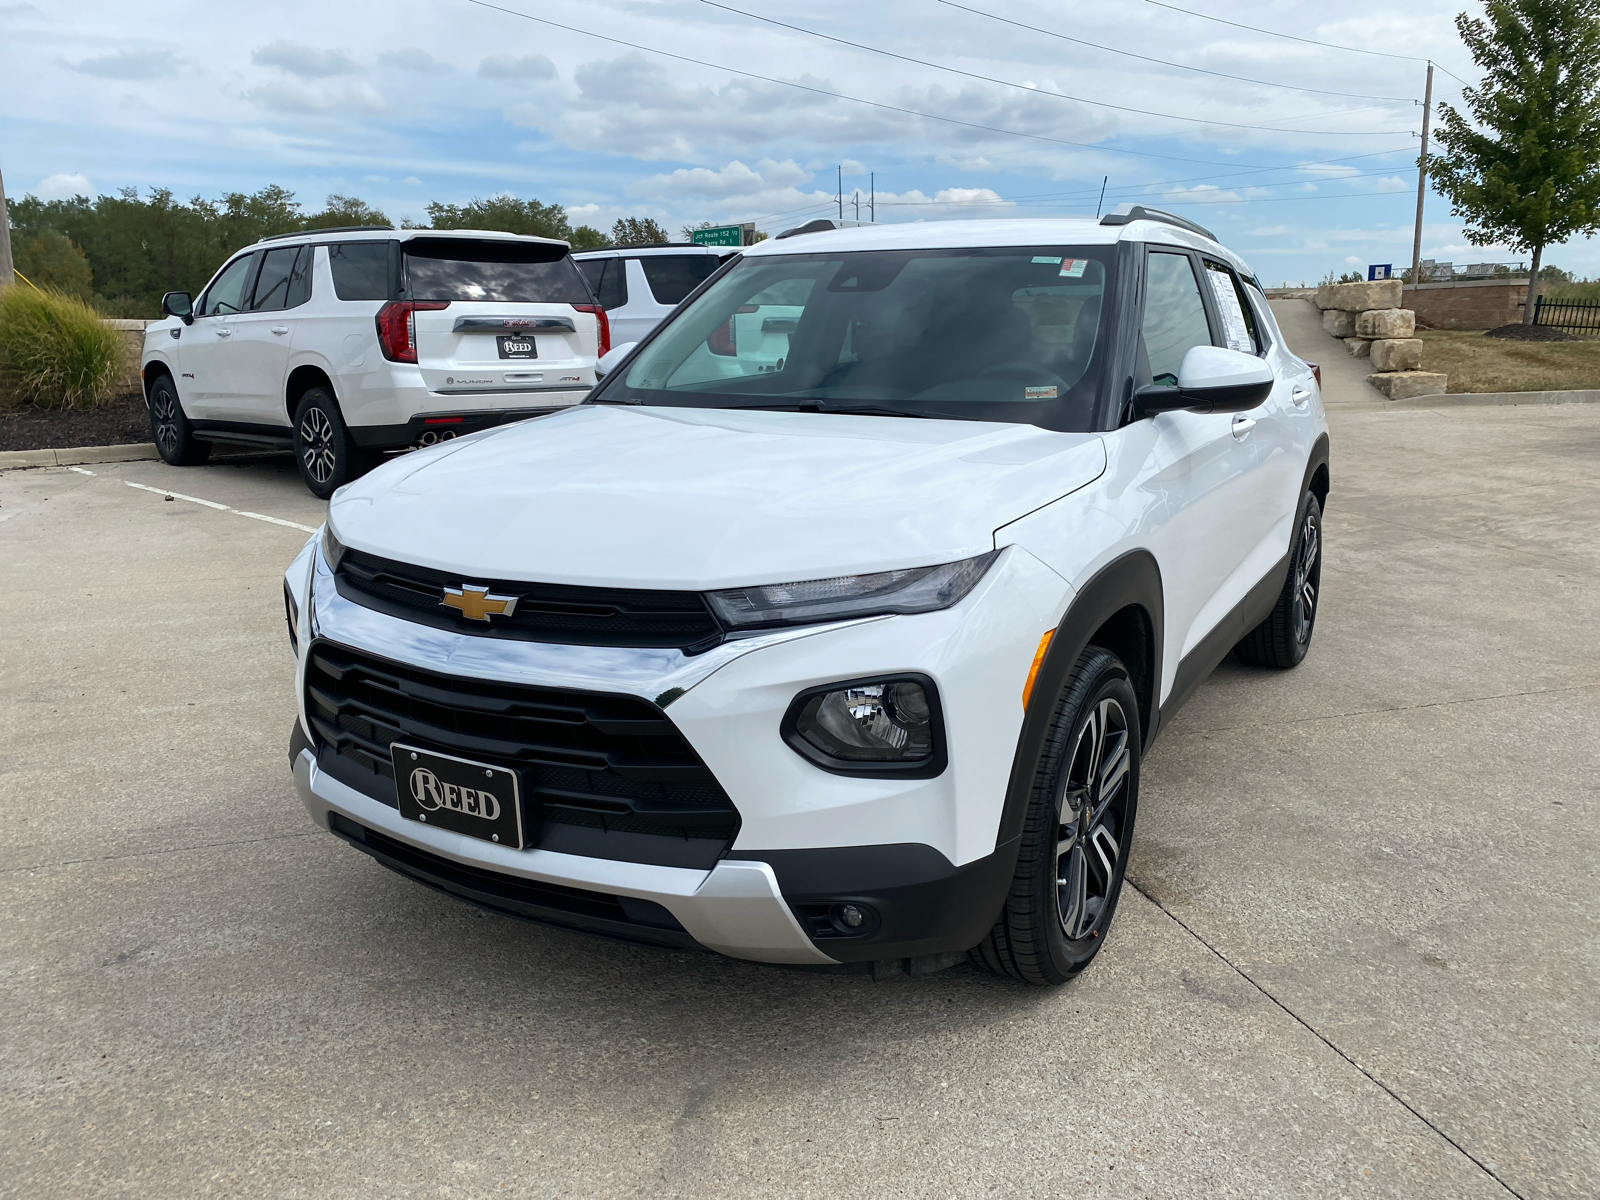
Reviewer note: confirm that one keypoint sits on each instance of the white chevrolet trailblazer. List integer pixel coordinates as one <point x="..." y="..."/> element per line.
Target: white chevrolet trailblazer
<point x="343" y="344"/>
<point x="846" y="659"/>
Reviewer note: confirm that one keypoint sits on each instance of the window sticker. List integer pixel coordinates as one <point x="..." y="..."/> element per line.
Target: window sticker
<point x="1072" y="268"/>
<point x="1046" y="259"/>
<point x="1234" y="327"/>
<point x="1039" y="393"/>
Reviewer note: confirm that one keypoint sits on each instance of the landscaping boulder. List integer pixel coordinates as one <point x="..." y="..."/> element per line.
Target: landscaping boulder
<point x="1397" y="354"/>
<point x="1358" y="297"/>
<point x="1386" y="323"/>
<point x="1359" y="347"/>
<point x="1403" y="385"/>
<point x="1339" y="324"/>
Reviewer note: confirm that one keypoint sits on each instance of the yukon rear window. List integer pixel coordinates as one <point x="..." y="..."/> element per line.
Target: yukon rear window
<point x="495" y="271"/>
<point x="360" y="270"/>
<point x="674" y="276"/>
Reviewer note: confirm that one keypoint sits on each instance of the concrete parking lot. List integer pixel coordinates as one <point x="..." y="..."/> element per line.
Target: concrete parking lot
<point x="1358" y="957"/>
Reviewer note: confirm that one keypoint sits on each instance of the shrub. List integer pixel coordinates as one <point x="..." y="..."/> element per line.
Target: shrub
<point x="56" y="352"/>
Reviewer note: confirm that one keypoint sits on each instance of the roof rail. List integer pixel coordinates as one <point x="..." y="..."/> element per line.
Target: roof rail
<point x="1138" y="212"/>
<point x="272" y="237"/>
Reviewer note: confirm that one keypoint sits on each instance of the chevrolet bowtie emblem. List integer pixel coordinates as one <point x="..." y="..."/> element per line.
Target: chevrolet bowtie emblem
<point x="477" y="603"/>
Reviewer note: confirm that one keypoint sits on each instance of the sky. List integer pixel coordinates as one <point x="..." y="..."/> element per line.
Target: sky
<point x="1301" y="157"/>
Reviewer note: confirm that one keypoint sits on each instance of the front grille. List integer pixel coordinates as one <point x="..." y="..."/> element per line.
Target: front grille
<point x="545" y="612"/>
<point x="603" y="775"/>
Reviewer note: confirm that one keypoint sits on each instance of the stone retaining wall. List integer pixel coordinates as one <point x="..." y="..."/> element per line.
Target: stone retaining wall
<point x="1468" y="304"/>
<point x="1368" y="318"/>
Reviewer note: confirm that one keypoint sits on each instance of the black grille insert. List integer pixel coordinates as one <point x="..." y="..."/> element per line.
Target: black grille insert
<point x="545" y="612"/>
<point x="604" y="775"/>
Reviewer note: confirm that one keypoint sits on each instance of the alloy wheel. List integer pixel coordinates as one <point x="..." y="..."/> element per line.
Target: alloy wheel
<point x="1092" y="816"/>
<point x="1307" y="577"/>
<point x="165" y="406"/>
<point x="316" y="445"/>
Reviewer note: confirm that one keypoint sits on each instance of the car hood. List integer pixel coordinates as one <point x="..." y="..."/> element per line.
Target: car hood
<point x="606" y="495"/>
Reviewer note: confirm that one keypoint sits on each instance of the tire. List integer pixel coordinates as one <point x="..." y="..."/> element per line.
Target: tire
<point x="1284" y="637"/>
<point x="1069" y="874"/>
<point x="327" y="455"/>
<point x="170" y="428"/>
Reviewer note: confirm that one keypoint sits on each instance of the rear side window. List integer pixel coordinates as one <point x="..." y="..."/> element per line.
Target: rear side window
<point x="1174" y="315"/>
<point x="492" y="271"/>
<point x="284" y="281"/>
<point x="1238" y="322"/>
<point x="674" y="276"/>
<point x="609" y="279"/>
<point x="360" y="270"/>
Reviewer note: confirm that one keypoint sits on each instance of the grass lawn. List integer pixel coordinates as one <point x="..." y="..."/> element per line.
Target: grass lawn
<point x="1481" y="364"/>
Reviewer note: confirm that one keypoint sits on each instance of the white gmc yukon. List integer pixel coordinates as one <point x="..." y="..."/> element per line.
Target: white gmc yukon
<point x="344" y="344"/>
<point x="843" y="652"/>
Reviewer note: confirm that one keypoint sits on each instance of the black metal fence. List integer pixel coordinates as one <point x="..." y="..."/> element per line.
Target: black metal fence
<point x="1572" y="316"/>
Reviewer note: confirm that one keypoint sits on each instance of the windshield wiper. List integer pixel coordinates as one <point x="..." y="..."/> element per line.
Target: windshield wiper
<point x="817" y="406"/>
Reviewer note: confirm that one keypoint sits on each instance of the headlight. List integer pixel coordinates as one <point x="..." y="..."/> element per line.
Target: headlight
<point x="332" y="547"/>
<point x="914" y="590"/>
<point x="887" y="726"/>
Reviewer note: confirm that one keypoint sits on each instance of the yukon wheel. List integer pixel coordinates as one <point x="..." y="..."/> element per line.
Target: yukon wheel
<point x="1284" y="637"/>
<point x="1077" y="833"/>
<point x="170" y="429"/>
<point x="327" y="455"/>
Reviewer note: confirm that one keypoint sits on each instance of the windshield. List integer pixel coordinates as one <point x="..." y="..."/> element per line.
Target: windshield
<point x="1008" y="334"/>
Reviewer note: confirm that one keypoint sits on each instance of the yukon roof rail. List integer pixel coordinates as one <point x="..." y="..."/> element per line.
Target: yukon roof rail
<point x="272" y="237"/>
<point x="1138" y="212"/>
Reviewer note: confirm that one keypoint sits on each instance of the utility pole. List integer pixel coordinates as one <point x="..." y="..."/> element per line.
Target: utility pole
<point x="6" y="265"/>
<point x="856" y="200"/>
<point x="841" y="192"/>
<point x="872" y="204"/>
<point x="1422" y="180"/>
<point x="1099" y="204"/>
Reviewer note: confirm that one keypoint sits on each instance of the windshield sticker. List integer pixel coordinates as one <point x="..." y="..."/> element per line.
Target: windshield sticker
<point x="1039" y="393"/>
<point x="1045" y="258"/>
<point x="1072" y="268"/>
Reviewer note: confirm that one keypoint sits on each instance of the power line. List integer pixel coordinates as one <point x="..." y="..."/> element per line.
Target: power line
<point x="834" y="95"/>
<point x="1308" y="41"/>
<point x="1144" y="112"/>
<point x="1168" y="63"/>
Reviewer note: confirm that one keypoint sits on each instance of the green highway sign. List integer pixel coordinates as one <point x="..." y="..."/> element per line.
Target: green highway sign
<point x="719" y="235"/>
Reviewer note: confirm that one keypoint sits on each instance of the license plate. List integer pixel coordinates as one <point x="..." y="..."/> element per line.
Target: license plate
<point x="474" y="798"/>
<point x="512" y="346"/>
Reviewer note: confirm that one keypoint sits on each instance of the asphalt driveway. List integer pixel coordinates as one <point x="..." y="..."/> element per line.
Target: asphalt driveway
<point x="1358" y="958"/>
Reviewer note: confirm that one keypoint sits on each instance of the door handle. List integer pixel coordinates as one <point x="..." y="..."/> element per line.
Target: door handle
<point x="1300" y="396"/>
<point x="280" y="330"/>
<point x="224" y="333"/>
<point x="1243" y="425"/>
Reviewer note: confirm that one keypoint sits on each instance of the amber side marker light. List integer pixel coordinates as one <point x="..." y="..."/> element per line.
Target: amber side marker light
<point x="1033" y="671"/>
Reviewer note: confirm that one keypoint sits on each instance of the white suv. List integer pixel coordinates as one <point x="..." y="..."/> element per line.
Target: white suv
<point x="639" y="285"/>
<point x="847" y="659"/>
<point x="343" y="344"/>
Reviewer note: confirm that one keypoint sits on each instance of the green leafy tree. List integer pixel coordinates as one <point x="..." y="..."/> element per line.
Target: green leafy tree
<point x="506" y="213"/>
<point x="585" y="237"/>
<point x="50" y="261"/>
<point x="638" y="231"/>
<point x="1524" y="170"/>
<point x="345" y="210"/>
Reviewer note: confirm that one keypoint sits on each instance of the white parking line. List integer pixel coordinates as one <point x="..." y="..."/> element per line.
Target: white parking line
<point x="80" y="471"/>
<point x="144" y="487"/>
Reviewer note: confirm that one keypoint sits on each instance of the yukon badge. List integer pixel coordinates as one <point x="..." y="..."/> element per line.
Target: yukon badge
<point x="476" y="602"/>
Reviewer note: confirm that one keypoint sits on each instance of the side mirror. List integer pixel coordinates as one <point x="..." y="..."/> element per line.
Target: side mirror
<point x="610" y="359"/>
<point x="1211" y="380"/>
<point x="178" y="304"/>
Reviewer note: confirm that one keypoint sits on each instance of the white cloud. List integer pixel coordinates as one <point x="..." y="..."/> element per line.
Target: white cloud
<point x="1204" y="193"/>
<point x="735" y="179"/>
<point x="129" y="64"/>
<point x="354" y="100"/>
<point x="63" y="187"/>
<point x="530" y="67"/>
<point x="308" y="62"/>
<point x="375" y="178"/>
<point x="1393" y="183"/>
<point x="412" y="59"/>
<point x="412" y="181"/>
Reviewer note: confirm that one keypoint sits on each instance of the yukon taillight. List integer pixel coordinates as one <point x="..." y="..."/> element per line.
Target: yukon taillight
<point x="604" y="323"/>
<point x="724" y="339"/>
<point x="397" y="327"/>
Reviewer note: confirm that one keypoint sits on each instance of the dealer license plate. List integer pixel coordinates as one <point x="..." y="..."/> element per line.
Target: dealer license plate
<point x="513" y="346"/>
<point x="474" y="798"/>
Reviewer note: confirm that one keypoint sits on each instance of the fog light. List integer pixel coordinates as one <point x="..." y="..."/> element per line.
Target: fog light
<point x="852" y="916"/>
<point x="872" y="722"/>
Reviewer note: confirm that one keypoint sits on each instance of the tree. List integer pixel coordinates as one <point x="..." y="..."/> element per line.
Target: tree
<point x="585" y="237"/>
<point x="638" y="231"/>
<point x="51" y="261"/>
<point x="1524" y="171"/>
<point x="345" y="210"/>
<point x="505" y="213"/>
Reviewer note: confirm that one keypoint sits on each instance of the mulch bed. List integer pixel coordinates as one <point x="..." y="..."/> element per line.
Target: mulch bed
<point x="119" y="423"/>
<point x="1531" y="333"/>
